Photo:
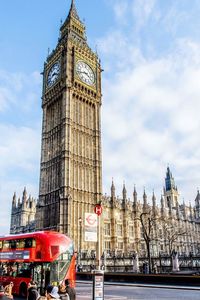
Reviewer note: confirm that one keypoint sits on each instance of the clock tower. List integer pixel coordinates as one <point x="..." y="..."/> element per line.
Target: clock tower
<point x="71" y="166"/>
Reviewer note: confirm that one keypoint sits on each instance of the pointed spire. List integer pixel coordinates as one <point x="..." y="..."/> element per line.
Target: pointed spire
<point x="73" y="27"/>
<point x="18" y="202"/>
<point x="112" y="190"/>
<point x="134" y="197"/>
<point x="197" y="199"/>
<point x="124" y="192"/>
<point x="154" y="200"/>
<point x="144" y="201"/>
<point x="154" y="204"/>
<point x="73" y="11"/>
<point x="14" y="202"/>
<point x="162" y="205"/>
<point x="24" y="197"/>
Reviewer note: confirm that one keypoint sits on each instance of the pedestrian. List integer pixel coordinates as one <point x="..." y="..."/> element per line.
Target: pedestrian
<point x="71" y="291"/>
<point x="32" y="292"/>
<point x="52" y="292"/>
<point x="62" y="292"/>
<point x="8" y="290"/>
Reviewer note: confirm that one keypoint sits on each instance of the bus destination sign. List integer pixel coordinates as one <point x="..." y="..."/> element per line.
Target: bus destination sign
<point x="12" y="255"/>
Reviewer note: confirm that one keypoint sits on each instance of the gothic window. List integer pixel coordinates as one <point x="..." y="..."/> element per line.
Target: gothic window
<point x="107" y="230"/>
<point x="131" y="231"/>
<point x="120" y="246"/>
<point x="107" y="246"/>
<point x="119" y="229"/>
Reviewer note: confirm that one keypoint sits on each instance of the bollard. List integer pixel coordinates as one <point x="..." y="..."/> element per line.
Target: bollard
<point x="98" y="285"/>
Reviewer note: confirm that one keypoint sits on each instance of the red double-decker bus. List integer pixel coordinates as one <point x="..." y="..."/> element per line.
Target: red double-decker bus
<point x="46" y="257"/>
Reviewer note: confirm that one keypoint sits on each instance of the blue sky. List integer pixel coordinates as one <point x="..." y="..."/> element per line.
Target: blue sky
<point x="150" y="53"/>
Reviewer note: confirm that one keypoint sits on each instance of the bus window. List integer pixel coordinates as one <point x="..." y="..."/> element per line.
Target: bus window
<point x="24" y="270"/>
<point x="6" y="245"/>
<point x="28" y="243"/>
<point x="13" y="244"/>
<point x="59" y="267"/>
<point x="21" y="243"/>
<point x="1" y="245"/>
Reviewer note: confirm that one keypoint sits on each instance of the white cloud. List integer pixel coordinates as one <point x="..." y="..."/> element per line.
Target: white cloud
<point x="150" y="119"/>
<point x="19" y="90"/>
<point x="121" y="9"/>
<point x="20" y="135"/>
<point x="142" y="10"/>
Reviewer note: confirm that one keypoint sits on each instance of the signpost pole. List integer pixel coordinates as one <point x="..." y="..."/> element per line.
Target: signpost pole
<point x="98" y="275"/>
<point x="99" y="244"/>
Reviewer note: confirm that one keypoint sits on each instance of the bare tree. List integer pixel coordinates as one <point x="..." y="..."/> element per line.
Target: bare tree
<point x="172" y="234"/>
<point x="148" y="222"/>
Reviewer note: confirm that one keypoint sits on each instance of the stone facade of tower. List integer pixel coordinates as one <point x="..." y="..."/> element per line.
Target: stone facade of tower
<point x="23" y="214"/>
<point x="71" y="171"/>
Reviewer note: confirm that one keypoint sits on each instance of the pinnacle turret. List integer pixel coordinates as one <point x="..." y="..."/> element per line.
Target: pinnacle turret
<point x="144" y="201"/>
<point x="112" y="190"/>
<point x="14" y="202"/>
<point x="197" y="199"/>
<point x="134" y="197"/>
<point x="162" y="205"/>
<point x="154" y="200"/>
<point x="124" y="192"/>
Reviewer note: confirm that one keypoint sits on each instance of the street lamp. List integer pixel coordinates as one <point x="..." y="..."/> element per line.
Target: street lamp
<point x="80" y="238"/>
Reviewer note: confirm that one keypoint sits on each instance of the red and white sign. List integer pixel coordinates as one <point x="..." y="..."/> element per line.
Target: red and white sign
<point x="90" y="220"/>
<point x="98" y="209"/>
<point x="90" y="227"/>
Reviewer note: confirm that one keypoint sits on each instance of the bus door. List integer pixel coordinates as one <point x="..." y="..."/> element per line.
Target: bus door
<point x="41" y="275"/>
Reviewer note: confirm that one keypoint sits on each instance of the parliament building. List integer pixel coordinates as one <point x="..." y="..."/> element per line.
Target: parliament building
<point x="71" y="165"/>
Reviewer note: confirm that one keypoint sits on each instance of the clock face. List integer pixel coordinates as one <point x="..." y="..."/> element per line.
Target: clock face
<point x="53" y="74"/>
<point x="85" y="73"/>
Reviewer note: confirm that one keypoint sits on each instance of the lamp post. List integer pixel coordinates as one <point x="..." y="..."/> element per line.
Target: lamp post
<point x="80" y="239"/>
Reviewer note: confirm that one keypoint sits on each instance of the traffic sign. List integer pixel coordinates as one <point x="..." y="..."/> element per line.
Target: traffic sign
<point x="98" y="209"/>
<point x="90" y="227"/>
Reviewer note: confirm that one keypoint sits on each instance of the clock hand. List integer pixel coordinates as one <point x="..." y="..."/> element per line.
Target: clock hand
<point x="86" y="74"/>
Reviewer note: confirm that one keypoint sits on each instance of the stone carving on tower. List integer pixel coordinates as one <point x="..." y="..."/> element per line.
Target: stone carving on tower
<point x="71" y="167"/>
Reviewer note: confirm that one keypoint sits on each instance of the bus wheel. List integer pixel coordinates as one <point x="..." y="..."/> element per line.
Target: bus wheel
<point x="23" y="290"/>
